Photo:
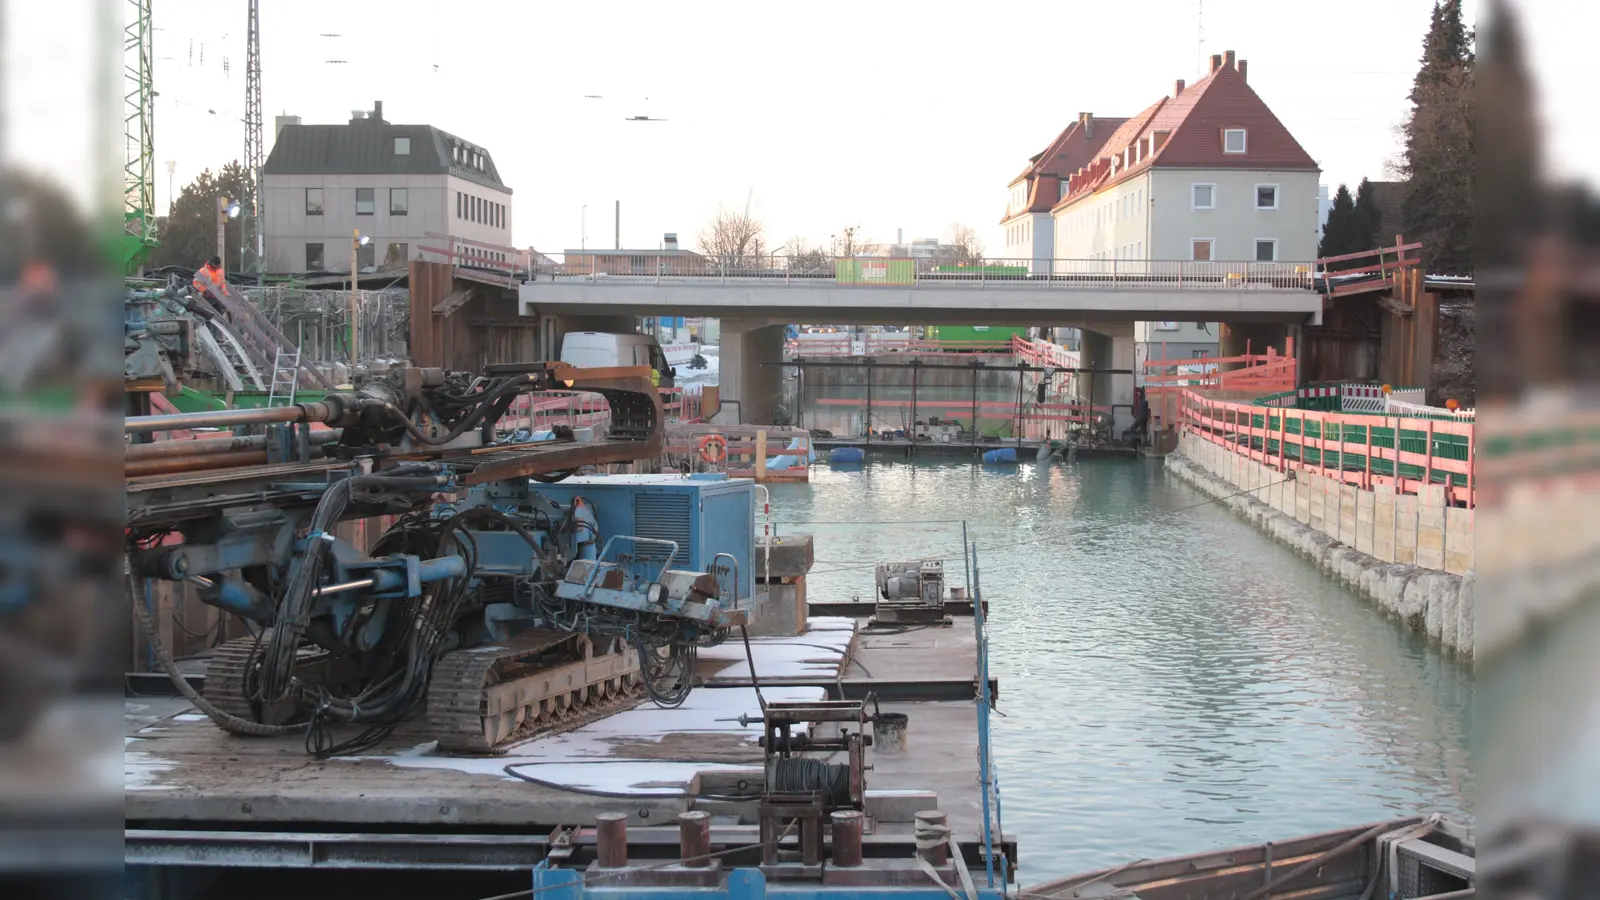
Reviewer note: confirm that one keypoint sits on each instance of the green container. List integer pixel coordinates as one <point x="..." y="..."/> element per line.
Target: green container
<point x="875" y="271"/>
<point x="956" y="333"/>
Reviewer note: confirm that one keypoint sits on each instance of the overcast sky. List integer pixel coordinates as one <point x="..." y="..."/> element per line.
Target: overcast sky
<point x="892" y="116"/>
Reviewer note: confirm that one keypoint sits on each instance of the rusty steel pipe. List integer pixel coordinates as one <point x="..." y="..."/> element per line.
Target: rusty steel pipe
<point x="168" y="465"/>
<point x="611" y="840"/>
<point x="207" y="446"/>
<point x="846" y="837"/>
<point x="694" y="839"/>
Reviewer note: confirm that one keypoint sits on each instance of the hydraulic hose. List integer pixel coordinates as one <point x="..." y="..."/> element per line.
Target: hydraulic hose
<point x="233" y="722"/>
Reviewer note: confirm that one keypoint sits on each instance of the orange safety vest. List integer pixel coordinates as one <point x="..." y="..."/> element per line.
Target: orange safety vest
<point x="207" y="278"/>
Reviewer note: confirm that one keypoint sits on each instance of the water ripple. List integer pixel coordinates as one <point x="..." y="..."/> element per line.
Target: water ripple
<point x="1172" y="680"/>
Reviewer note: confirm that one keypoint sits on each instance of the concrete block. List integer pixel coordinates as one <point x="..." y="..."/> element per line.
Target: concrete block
<point x="1457" y="563"/>
<point x="1366" y="507"/>
<point x="1383" y="547"/>
<point x="1430" y="558"/>
<point x="1430" y="538"/>
<point x="1405" y="555"/>
<point x="1466" y="615"/>
<point x="784" y="556"/>
<point x="782" y="613"/>
<point x="1431" y="495"/>
<point x="1430" y="517"/>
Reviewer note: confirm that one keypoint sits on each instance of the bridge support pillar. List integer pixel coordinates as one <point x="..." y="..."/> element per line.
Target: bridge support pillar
<point x="749" y="390"/>
<point x="1113" y="350"/>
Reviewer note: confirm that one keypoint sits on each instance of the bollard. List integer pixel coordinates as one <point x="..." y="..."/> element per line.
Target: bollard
<point x="889" y="734"/>
<point x="846" y="837"/>
<point x="611" y="840"/>
<point x="933" y="831"/>
<point x="694" y="838"/>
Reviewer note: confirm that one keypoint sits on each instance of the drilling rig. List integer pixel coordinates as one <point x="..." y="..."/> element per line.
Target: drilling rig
<point x="498" y="603"/>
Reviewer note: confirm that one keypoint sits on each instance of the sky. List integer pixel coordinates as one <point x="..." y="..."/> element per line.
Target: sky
<point x="898" y="118"/>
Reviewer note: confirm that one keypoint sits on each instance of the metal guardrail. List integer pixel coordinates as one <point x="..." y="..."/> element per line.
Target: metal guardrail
<point x="1097" y="274"/>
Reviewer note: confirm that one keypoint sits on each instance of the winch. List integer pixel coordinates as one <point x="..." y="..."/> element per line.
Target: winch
<point x="911" y="593"/>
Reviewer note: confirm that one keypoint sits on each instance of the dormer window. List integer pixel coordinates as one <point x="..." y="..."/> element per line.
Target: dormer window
<point x="1233" y="140"/>
<point x="402" y="146"/>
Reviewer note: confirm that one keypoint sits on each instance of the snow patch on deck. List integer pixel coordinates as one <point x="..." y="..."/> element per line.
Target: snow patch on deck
<point x="585" y="760"/>
<point x="818" y="652"/>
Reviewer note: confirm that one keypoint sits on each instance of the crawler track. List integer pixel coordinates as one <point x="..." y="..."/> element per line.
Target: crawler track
<point x="539" y="682"/>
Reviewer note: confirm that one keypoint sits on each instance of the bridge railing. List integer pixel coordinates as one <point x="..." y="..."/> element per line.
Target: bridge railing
<point x="1355" y="448"/>
<point x="885" y="271"/>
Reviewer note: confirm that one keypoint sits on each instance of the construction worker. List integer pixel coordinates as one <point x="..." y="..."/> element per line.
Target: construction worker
<point x="209" y="282"/>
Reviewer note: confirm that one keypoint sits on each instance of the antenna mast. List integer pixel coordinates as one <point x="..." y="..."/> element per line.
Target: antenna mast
<point x="1200" y="36"/>
<point x="253" y="153"/>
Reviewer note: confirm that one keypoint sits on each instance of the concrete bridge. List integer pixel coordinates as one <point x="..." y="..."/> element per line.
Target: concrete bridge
<point x="1102" y="297"/>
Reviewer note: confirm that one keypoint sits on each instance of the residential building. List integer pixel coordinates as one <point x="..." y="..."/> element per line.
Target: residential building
<point x="1324" y="206"/>
<point x="1206" y="174"/>
<point x="396" y="184"/>
<point x="668" y="259"/>
<point x="1029" y="230"/>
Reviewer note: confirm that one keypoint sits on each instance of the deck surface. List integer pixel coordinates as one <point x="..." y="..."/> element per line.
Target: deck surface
<point x="183" y="772"/>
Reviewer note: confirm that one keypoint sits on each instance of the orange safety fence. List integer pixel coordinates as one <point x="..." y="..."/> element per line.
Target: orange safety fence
<point x="1355" y="448"/>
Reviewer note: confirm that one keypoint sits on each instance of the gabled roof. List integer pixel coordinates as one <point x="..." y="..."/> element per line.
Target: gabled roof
<point x="366" y="147"/>
<point x="1193" y="121"/>
<point x="1074" y="147"/>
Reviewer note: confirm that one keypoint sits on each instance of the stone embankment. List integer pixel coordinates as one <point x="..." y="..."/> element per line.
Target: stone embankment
<point x="1411" y="555"/>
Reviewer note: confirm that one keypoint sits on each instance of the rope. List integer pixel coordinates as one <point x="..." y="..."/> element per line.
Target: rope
<point x="929" y="835"/>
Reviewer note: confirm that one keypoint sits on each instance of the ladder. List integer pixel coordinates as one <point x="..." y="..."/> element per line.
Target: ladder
<point x="285" y="378"/>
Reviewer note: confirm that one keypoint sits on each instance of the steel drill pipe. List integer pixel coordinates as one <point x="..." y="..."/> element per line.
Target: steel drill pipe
<point x="207" y="446"/>
<point x="216" y="418"/>
<point x="327" y="411"/>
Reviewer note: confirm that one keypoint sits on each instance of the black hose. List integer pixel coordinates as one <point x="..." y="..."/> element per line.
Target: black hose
<point x="227" y="720"/>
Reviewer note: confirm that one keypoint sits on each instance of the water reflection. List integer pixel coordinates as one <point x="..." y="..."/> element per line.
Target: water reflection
<point x="1171" y="679"/>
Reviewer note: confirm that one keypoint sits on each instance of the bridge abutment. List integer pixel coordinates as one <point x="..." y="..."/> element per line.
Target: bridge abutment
<point x="750" y="387"/>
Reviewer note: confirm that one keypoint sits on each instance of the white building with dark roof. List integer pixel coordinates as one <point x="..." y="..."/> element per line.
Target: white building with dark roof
<point x="394" y="183"/>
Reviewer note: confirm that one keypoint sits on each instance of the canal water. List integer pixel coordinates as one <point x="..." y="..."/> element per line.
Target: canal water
<point x="1171" y="680"/>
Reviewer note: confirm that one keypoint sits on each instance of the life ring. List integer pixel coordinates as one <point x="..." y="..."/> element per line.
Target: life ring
<point x="713" y="449"/>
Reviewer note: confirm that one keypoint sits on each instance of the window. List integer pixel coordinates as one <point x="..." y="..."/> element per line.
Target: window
<point x="1201" y="354"/>
<point x="1203" y="196"/>
<point x="396" y="256"/>
<point x="1166" y="326"/>
<point x="402" y="146"/>
<point x="476" y="207"/>
<point x="398" y="198"/>
<point x="1200" y="249"/>
<point x="365" y="204"/>
<point x="314" y="260"/>
<point x="367" y="256"/>
<point x="314" y="202"/>
<point x="461" y="205"/>
<point x="1266" y="196"/>
<point x="1233" y="140"/>
<point x="1266" y="251"/>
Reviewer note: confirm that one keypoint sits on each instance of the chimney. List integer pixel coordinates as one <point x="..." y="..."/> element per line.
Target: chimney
<point x="377" y="110"/>
<point x="357" y="115"/>
<point x="1244" y="71"/>
<point x="1216" y="63"/>
<point x="1227" y="60"/>
<point x="1087" y="121"/>
<point x="669" y="241"/>
<point x="1177" y="88"/>
<point x="279" y="121"/>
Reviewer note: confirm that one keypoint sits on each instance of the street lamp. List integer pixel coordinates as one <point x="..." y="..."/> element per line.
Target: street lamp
<point x="357" y="241"/>
<point x="226" y="209"/>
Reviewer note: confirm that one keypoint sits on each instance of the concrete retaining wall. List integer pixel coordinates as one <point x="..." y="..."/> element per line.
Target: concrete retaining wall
<point x="1411" y="555"/>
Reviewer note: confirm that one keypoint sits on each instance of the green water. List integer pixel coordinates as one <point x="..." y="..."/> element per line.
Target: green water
<point x="1171" y="679"/>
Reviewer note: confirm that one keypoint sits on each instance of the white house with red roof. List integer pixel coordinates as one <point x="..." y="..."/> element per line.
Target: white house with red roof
<point x="1029" y="228"/>
<point x="1208" y="173"/>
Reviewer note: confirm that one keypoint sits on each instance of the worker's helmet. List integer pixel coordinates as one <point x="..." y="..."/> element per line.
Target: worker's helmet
<point x="215" y="262"/>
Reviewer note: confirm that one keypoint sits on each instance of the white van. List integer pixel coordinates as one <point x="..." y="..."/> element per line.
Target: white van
<point x="599" y="349"/>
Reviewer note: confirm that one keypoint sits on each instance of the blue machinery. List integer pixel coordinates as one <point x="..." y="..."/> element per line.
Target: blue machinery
<point x="506" y="596"/>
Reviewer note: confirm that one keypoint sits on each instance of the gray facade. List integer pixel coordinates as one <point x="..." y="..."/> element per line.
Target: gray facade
<point x="395" y="184"/>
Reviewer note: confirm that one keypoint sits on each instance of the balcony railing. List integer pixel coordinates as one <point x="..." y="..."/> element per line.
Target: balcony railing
<point x="1096" y="274"/>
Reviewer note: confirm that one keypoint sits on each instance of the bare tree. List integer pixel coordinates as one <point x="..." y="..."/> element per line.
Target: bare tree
<point x="734" y="238"/>
<point x="802" y="258"/>
<point x="851" y="241"/>
<point x="963" y="244"/>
